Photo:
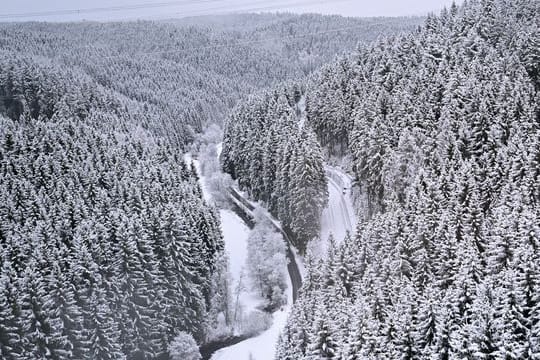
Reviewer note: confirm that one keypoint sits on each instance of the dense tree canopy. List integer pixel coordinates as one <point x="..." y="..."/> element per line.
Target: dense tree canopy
<point x="106" y="245"/>
<point x="443" y="126"/>
<point x="184" y="75"/>
<point x="275" y="156"/>
<point x="107" y="248"/>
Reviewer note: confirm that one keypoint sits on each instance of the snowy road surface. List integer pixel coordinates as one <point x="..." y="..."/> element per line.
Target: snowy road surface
<point x="339" y="216"/>
<point x="235" y="234"/>
<point x="293" y="267"/>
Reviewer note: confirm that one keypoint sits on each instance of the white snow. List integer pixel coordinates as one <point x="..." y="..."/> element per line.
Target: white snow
<point x="261" y="347"/>
<point x="235" y="234"/>
<point x="256" y="205"/>
<point x="219" y="149"/>
<point x="302" y="108"/>
<point x="299" y="262"/>
<point x="188" y="159"/>
<point x="100" y="10"/>
<point x="339" y="216"/>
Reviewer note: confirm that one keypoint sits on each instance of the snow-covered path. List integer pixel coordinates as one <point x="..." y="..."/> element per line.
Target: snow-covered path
<point x="235" y="235"/>
<point x="261" y="347"/>
<point x="339" y="216"/>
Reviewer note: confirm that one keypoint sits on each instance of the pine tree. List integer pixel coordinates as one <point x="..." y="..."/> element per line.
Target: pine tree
<point x="42" y="335"/>
<point x="70" y="315"/>
<point x="310" y="191"/>
<point x="104" y="336"/>
<point x="10" y="332"/>
<point x="323" y="345"/>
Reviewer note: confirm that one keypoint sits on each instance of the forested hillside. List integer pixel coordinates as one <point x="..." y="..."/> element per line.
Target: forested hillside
<point x="107" y="248"/>
<point x="188" y="76"/>
<point x="442" y="127"/>
<point x="274" y="154"/>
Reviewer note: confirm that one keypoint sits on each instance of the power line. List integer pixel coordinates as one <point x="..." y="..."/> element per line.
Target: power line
<point x="241" y="43"/>
<point x="147" y="5"/>
<point x="228" y="10"/>
<point x="238" y="43"/>
<point x="105" y="9"/>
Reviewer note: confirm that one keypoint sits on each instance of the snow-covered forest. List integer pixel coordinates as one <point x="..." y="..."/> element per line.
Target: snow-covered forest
<point x="441" y="131"/>
<point x="108" y="248"/>
<point x="442" y="128"/>
<point x="272" y="186"/>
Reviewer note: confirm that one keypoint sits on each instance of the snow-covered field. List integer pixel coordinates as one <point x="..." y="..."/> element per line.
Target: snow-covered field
<point x="235" y="234"/>
<point x="337" y="219"/>
<point x="116" y="10"/>
<point x="261" y="347"/>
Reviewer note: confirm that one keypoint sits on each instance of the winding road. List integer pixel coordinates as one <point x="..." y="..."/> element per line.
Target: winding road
<point x="245" y="210"/>
<point x="339" y="217"/>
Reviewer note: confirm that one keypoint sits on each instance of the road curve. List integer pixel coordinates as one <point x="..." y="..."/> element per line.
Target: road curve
<point x="245" y="210"/>
<point x="338" y="217"/>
